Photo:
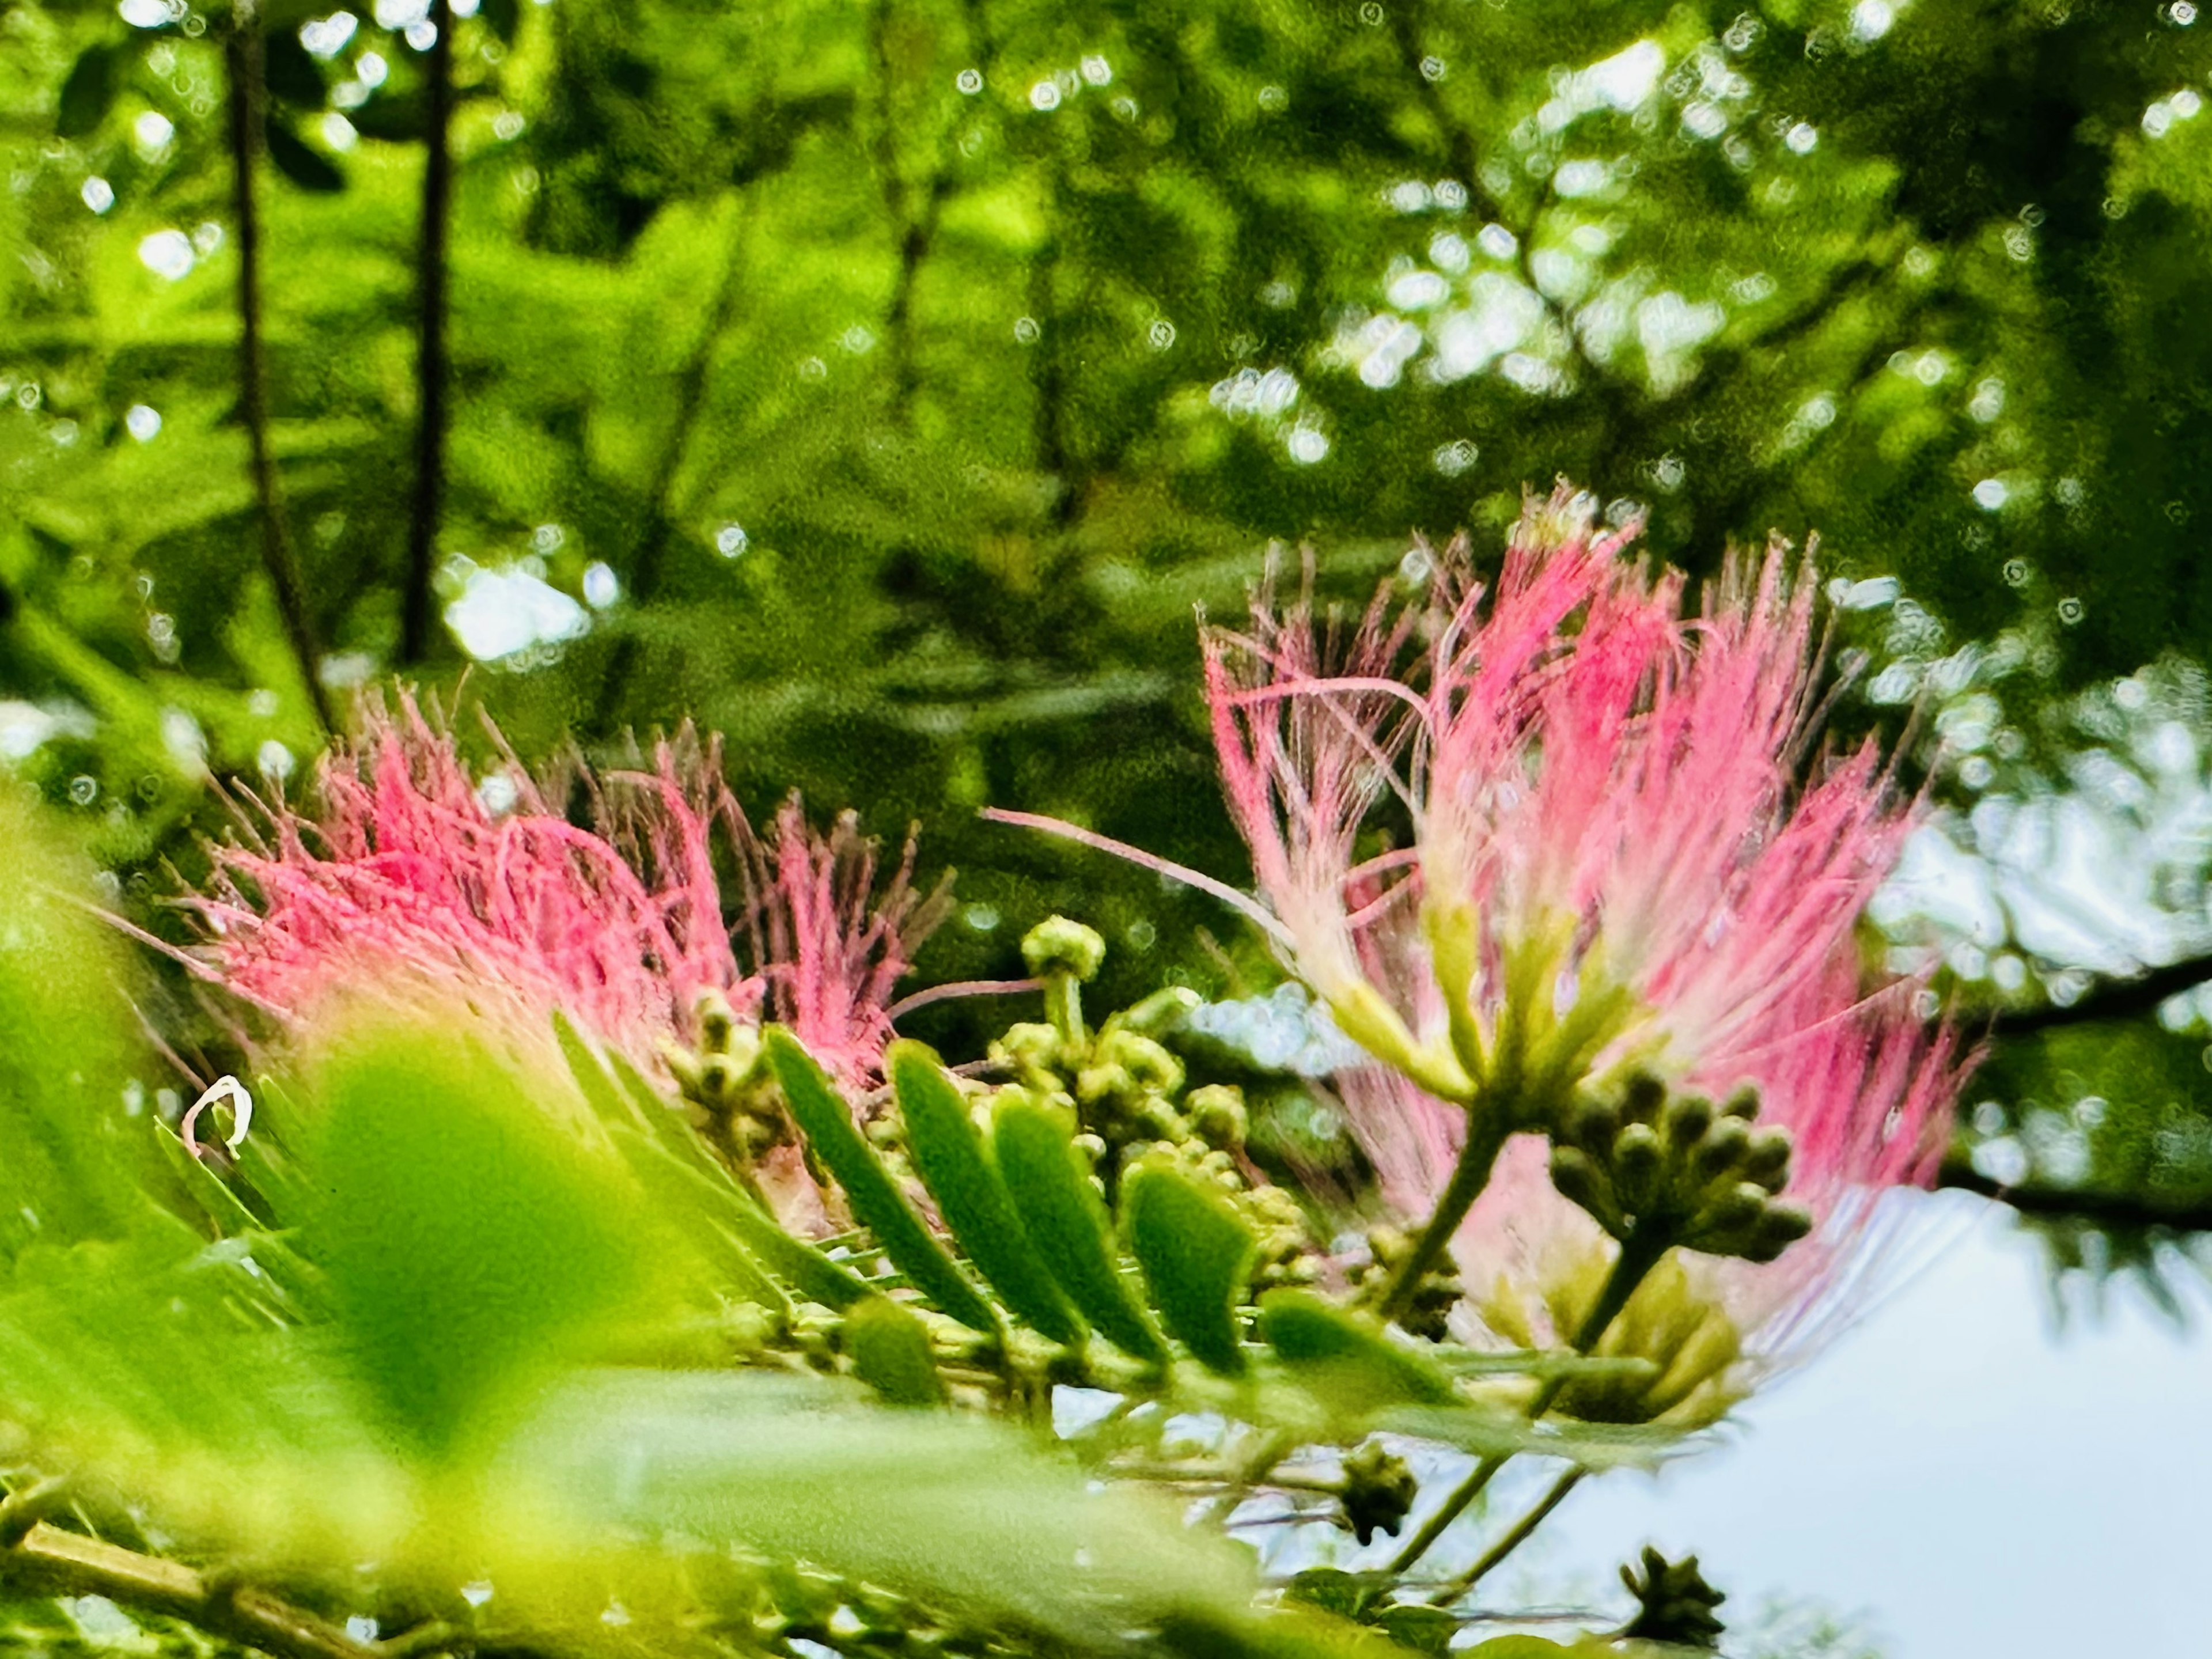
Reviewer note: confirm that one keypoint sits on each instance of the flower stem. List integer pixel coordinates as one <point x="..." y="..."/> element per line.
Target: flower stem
<point x="1516" y="1535"/>
<point x="1470" y="1175"/>
<point x="1639" y="1253"/>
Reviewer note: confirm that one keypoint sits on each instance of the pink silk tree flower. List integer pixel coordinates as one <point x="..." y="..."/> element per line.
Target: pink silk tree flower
<point x="413" y="882"/>
<point x="1626" y="862"/>
<point x="1617" y="857"/>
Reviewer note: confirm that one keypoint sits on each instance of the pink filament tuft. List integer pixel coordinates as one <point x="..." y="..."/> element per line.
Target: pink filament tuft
<point x="1582" y="762"/>
<point x="407" y="882"/>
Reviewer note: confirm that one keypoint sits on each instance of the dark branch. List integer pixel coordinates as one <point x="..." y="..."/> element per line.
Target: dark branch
<point x="663" y="510"/>
<point x="2120" y="998"/>
<point x="245" y="97"/>
<point x="2103" y="1209"/>
<point x="433" y="368"/>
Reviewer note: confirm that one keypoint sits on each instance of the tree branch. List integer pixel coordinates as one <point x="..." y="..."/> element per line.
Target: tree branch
<point x="2119" y="998"/>
<point x="246" y="98"/>
<point x="433" y="367"/>
<point x="2105" y="1209"/>
<point x="53" y="1562"/>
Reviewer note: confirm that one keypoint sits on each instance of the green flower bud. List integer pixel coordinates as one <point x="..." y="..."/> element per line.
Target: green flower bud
<point x="1722" y="1148"/>
<point x="1637" y="1152"/>
<point x="1593" y="1122"/>
<point x="717" y="1020"/>
<point x="1218" y="1115"/>
<point x="1779" y="1227"/>
<point x="1743" y="1103"/>
<point x="1058" y="945"/>
<point x="1030" y="1045"/>
<point x="1684" y="1120"/>
<point x="1152" y="1065"/>
<point x="1766" y="1160"/>
<point x="1160" y="1011"/>
<point x="1642" y="1097"/>
<point x="1578" y="1182"/>
<point x="1735" y="1212"/>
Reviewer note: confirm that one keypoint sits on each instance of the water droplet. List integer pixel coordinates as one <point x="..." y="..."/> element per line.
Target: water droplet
<point x="1161" y="334"/>
<point x="731" y="540"/>
<point x="1044" y="96"/>
<point x="84" y="789"/>
<point x="969" y="81"/>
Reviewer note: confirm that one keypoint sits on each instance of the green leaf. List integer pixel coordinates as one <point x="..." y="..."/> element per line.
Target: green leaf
<point x="1514" y="1647"/>
<point x="75" y="1165"/>
<point x="1425" y="1629"/>
<point x="289" y="71"/>
<point x="1196" y="1253"/>
<point x="471" y="1241"/>
<point x="306" y="168"/>
<point x="89" y="92"/>
<point x="1331" y="1589"/>
<point x="394" y="118"/>
<point x="799" y="1264"/>
<point x="1489" y="1432"/>
<point x="208" y="1189"/>
<point x="948" y="1154"/>
<point x="827" y="1122"/>
<point x="1346" y="1357"/>
<point x="503" y="17"/>
<point x="891" y="1353"/>
<point x="1067" y="1223"/>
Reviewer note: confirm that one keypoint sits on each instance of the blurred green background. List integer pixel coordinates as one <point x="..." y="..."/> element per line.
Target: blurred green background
<point x="886" y="385"/>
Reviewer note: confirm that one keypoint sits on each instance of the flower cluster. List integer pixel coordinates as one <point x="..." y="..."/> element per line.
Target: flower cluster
<point x="1626" y="861"/>
<point x="414" y="881"/>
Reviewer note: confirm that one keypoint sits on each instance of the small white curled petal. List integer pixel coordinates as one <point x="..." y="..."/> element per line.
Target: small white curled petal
<point x="225" y="1087"/>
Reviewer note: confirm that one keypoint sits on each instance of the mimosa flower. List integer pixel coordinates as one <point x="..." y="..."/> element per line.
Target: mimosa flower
<point x="411" y="881"/>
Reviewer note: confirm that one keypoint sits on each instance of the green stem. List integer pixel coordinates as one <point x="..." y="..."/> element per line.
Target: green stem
<point x="1484" y="1140"/>
<point x="1516" y="1535"/>
<point x="1063" y="1007"/>
<point x="1639" y="1253"/>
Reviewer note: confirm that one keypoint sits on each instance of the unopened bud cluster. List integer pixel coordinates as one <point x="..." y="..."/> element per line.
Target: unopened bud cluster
<point x="1428" y="1306"/>
<point x="1674" y="1604"/>
<point x="723" y="1077"/>
<point x="1677" y="1168"/>
<point x="1378" y="1492"/>
<point x="1124" y="1089"/>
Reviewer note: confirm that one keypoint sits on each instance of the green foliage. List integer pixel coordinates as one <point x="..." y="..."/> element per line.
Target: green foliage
<point x="875" y="1201"/>
<point x="1068" y="1224"/>
<point x="949" y="1156"/>
<point x="69" y="1054"/>
<point x="440" y="1275"/>
<point x="1196" y="1255"/>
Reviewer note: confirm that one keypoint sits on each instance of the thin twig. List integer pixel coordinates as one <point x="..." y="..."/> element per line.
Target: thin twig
<point x="2119" y="998"/>
<point x="1513" y="1538"/>
<point x="663" y="509"/>
<point x="433" y="366"/>
<point x="58" y="1563"/>
<point x="246" y="97"/>
<point x="2103" y="1209"/>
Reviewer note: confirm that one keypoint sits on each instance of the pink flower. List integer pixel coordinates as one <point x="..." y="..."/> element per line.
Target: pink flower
<point x="1624" y="858"/>
<point x="415" y="883"/>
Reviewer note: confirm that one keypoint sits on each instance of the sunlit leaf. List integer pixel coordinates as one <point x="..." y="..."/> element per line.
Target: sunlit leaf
<point x="1196" y="1255"/>
<point x="948" y="1153"/>
<point x="827" y="1121"/>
